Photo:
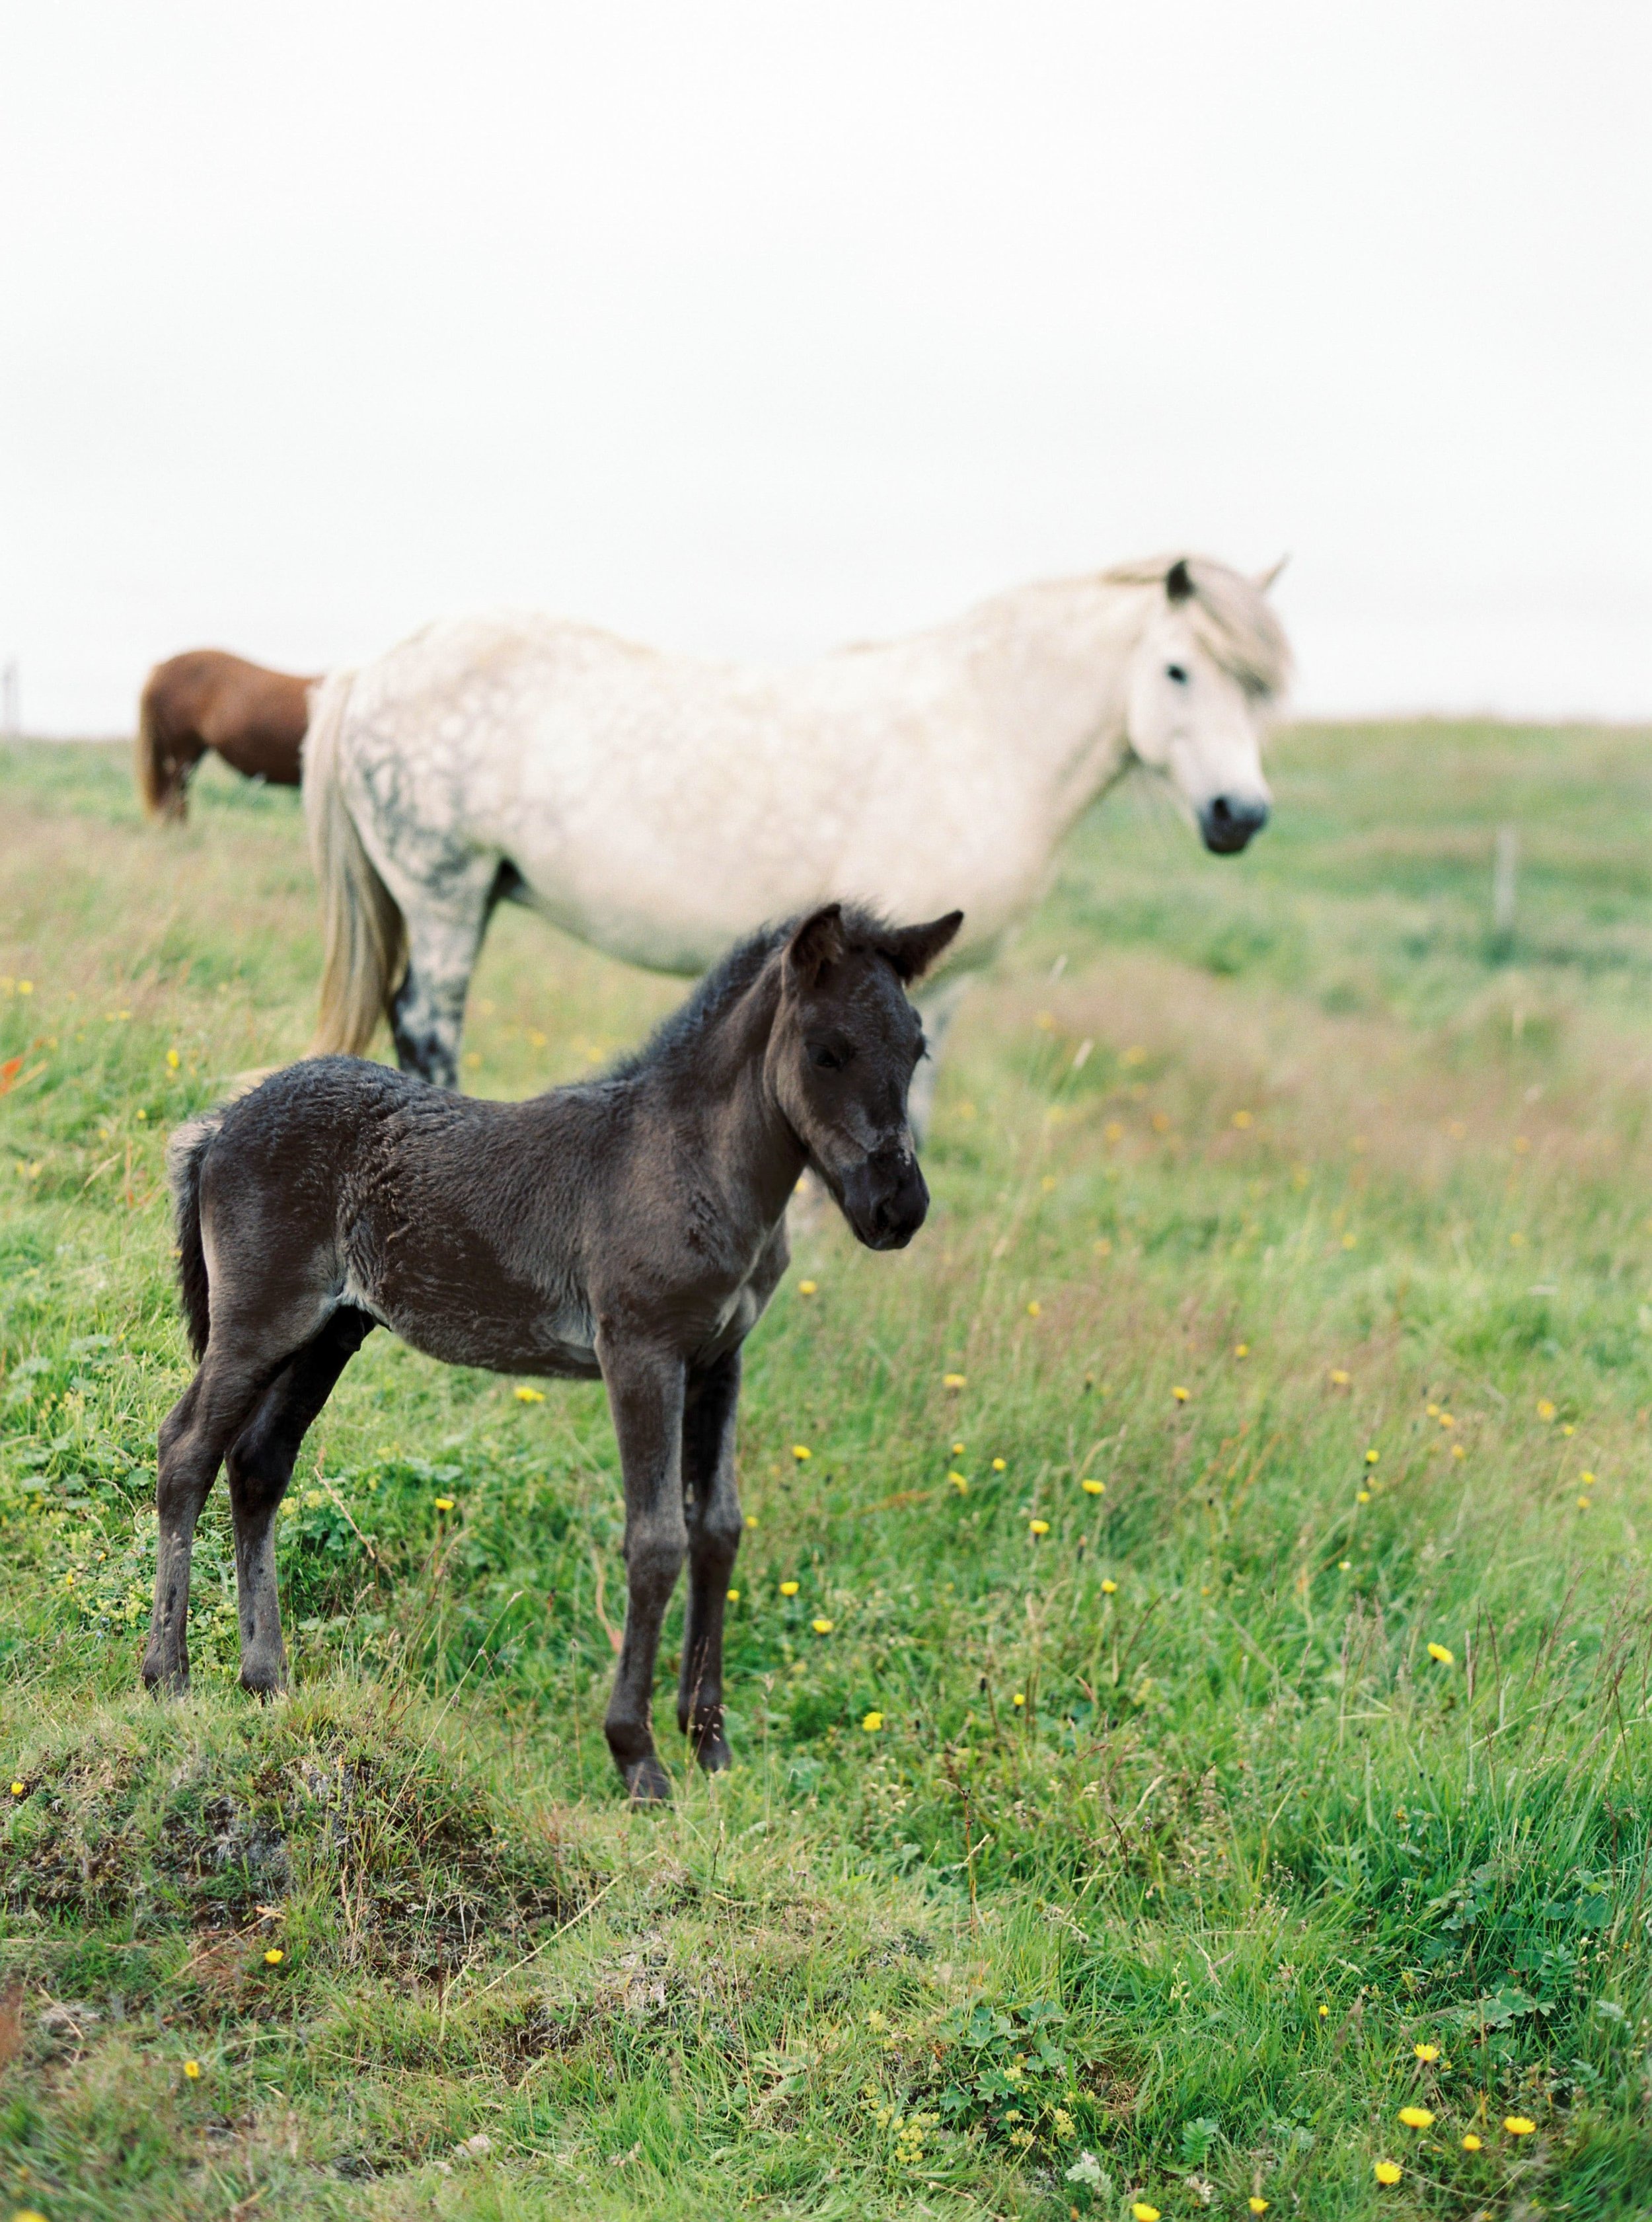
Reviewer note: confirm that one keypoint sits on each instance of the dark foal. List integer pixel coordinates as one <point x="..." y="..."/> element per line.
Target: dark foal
<point x="633" y="1228"/>
<point x="206" y="699"/>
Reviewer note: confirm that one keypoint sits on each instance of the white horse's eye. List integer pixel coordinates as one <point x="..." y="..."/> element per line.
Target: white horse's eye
<point x="1178" y="672"/>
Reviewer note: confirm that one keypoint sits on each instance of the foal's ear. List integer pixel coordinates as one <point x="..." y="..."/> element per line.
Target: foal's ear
<point x="1179" y="580"/>
<point x="912" y="949"/>
<point x="818" y="942"/>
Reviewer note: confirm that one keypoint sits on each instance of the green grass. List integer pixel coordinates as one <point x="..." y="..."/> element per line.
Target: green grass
<point x="1175" y="1839"/>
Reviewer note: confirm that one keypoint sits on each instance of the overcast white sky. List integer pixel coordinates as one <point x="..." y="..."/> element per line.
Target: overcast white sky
<point x="753" y="328"/>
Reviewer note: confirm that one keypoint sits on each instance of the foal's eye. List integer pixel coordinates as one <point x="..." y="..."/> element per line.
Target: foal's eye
<point x="828" y="1060"/>
<point x="1178" y="672"/>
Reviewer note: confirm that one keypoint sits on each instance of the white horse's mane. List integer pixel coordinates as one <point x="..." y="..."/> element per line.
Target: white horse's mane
<point x="1230" y="616"/>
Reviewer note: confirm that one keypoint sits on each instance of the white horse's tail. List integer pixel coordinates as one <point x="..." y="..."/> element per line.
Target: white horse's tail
<point x="364" y="934"/>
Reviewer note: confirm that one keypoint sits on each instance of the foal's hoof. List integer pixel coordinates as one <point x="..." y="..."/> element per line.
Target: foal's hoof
<point x="711" y="1745"/>
<point x="648" y="1782"/>
<point x="162" y="1681"/>
<point x="263" y="1682"/>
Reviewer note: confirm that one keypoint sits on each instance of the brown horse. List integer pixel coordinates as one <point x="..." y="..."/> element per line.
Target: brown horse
<point x="206" y="700"/>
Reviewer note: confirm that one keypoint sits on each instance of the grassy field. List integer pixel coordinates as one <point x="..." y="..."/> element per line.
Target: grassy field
<point x="1190" y="1671"/>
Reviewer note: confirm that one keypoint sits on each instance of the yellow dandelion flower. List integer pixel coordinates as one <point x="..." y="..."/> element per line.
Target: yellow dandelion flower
<point x="958" y="1450"/>
<point x="172" y="1060"/>
<point x="820" y="1627"/>
<point x="1109" y="1587"/>
<point x="1457" y="1451"/>
<point x="801" y="1452"/>
<point x="1519" y="2126"/>
<point x="1094" y="1488"/>
<point x="1427" y="2052"/>
<point x="1000" y="1466"/>
<point x="1242" y="1350"/>
<point x="1545" y="1409"/>
<point x="955" y="1380"/>
<point x="1180" y="1395"/>
<point x="1019" y="1698"/>
<point x="734" y="1596"/>
<point x="959" y="1484"/>
<point x="1362" y="1497"/>
<point x="1372" y="1457"/>
<point x="1446" y="1420"/>
<point x="1244" y="1119"/>
<point x="1257" y="2205"/>
<point x="1442" y="1655"/>
<point x="751" y="1520"/>
<point x="1325" y="2013"/>
<point x="1033" y="1308"/>
<point x="872" y="1723"/>
<point x="274" y="1956"/>
<point x="1586" y="1478"/>
<point x="527" y="1396"/>
<point x="27" y="987"/>
<point x="192" y="2070"/>
<point x="444" y="1504"/>
<point x="789" y="1589"/>
<point x="808" y="1288"/>
<point x="1417" y="2117"/>
<point x="1038" y="1527"/>
<point x="1387" y="2171"/>
<point x="1143" y="2212"/>
<point x="18" y="1789"/>
<point x="1471" y="2142"/>
<point x="1340" y="1376"/>
<point x="1568" y="1429"/>
<point x="1344" y="1565"/>
<point x="28" y="2213"/>
<point x="1583" y="1504"/>
<point x="1433" y="1411"/>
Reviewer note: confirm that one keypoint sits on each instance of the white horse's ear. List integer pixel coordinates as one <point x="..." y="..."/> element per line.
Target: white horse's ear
<point x="818" y="942"/>
<point x="912" y="949"/>
<point x="1179" y="580"/>
<point x="1265" y="578"/>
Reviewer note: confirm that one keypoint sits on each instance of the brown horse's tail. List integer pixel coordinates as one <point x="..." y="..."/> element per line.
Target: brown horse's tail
<point x="160" y="777"/>
<point x="363" y="932"/>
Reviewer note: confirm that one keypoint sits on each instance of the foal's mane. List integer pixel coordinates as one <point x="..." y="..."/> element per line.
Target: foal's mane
<point x="677" y="1037"/>
<point x="1231" y="615"/>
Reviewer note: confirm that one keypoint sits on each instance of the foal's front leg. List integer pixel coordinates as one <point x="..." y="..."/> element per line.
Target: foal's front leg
<point x="715" y="1526"/>
<point x="645" y="1394"/>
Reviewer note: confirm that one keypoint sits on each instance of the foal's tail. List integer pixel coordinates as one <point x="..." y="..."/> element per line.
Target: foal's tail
<point x="364" y="934"/>
<point x="183" y="1154"/>
<point x="160" y="775"/>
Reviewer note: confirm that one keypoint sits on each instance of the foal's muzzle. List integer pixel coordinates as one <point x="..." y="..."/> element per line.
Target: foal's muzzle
<point x="1228" y="822"/>
<point x="885" y="1199"/>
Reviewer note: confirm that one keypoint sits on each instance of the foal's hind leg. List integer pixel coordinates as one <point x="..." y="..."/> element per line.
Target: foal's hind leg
<point x="712" y="1508"/>
<point x="260" y="1466"/>
<point x="194" y="1437"/>
<point x="445" y="926"/>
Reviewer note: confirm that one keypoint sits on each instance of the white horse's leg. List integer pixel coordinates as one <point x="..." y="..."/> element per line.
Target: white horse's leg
<point x="445" y="927"/>
<point x="937" y="1008"/>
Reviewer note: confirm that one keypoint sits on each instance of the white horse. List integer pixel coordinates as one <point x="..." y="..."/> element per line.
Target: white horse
<point x="659" y="807"/>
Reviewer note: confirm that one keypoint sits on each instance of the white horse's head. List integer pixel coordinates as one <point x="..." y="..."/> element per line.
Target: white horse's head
<point x="1211" y="659"/>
